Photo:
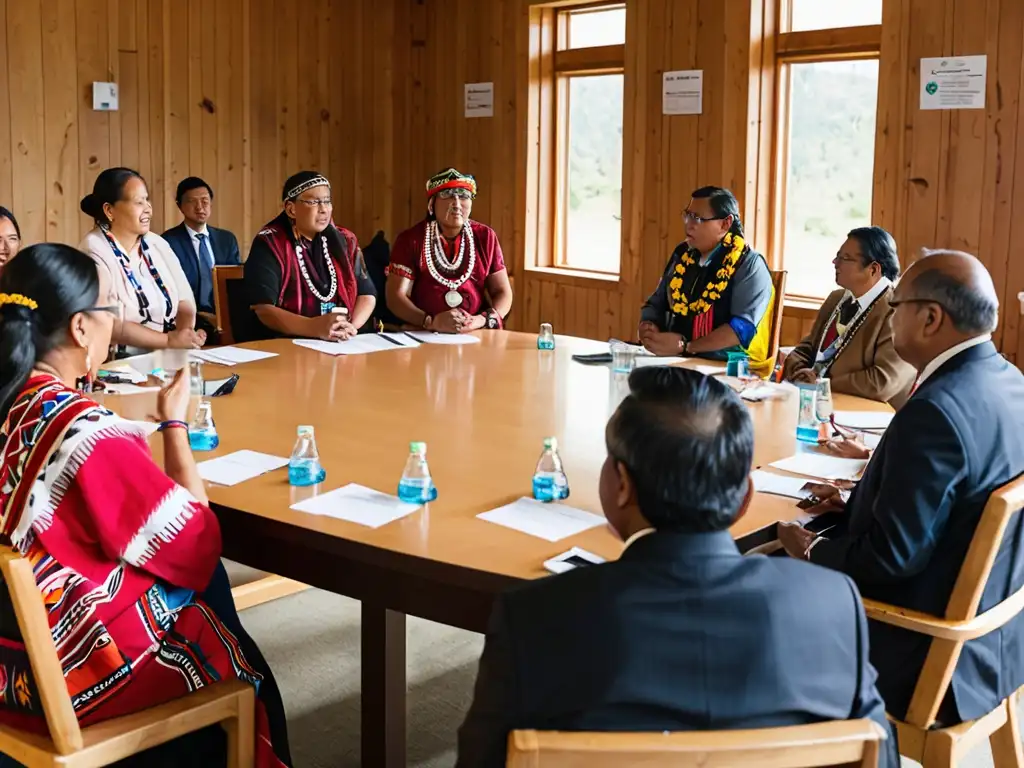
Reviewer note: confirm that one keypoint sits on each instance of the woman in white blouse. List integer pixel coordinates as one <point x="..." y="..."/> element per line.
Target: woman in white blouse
<point x="159" y="309"/>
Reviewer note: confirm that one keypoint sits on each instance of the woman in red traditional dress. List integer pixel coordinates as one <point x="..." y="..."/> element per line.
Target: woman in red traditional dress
<point x="305" y="276"/>
<point x="447" y="273"/>
<point x="127" y="558"/>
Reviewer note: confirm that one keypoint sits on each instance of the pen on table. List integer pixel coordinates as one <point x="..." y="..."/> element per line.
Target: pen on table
<point x="393" y="341"/>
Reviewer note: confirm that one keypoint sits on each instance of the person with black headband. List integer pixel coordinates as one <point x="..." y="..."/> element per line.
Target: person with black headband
<point x="159" y="309"/>
<point x="304" y="276"/>
<point x="10" y="236"/>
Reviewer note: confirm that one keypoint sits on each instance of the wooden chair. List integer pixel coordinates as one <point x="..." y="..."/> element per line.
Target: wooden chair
<point x="230" y="703"/>
<point x="222" y="279"/>
<point x="835" y="743"/>
<point x="775" y="333"/>
<point x="918" y="739"/>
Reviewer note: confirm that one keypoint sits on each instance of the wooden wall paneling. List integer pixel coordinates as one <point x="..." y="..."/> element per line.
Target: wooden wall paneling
<point x="502" y="65"/>
<point x="636" y="88"/>
<point x="736" y="106"/>
<point x="28" y="150"/>
<point x="1012" y="335"/>
<point x="322" y="114"/>
<point x="663" y="159"/>
<point x="684" y="131"/>
<point x="127" y="26"/>
<point x="888" y="195"/>
<point x="61" y="106"/>
<point x="6" y="150"/>
<point x="182" y="85"/>
<point x="360" y="125"/>
<point x="266" y="159"/>
<point x="152" y="33"/>
<point x="287" y="85"/>
<point x="711" y="47"/>
<point x="381" y="26"/>
<point x="227" y="91"/>
<point x="113" y="75"/>
<point x="205" y="103"/>
<point x="128" y="107"/>
<point x="344" y="114"/>
<point x="243" y="69"/>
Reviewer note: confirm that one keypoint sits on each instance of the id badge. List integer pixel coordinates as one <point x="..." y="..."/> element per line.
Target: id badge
<point x="326" y="307"/>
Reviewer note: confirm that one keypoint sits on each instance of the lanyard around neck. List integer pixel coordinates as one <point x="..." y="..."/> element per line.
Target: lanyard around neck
<point x="140" y="295"/>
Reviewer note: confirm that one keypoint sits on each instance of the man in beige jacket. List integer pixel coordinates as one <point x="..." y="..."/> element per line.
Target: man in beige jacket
<point x="851" y="340"/>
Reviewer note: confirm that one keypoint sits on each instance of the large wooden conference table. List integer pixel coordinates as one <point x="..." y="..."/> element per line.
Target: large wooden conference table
<point x="483" y="410"/>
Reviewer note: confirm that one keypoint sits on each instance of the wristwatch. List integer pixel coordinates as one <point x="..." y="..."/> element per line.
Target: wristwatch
<point x="492" y="319"/>
<point x="682" y="346"/>
<point x="427" y="320"/>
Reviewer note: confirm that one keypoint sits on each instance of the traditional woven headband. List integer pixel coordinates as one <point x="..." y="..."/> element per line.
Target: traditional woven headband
<point x="316" y="181"/>
<point x="18" y="300"/>
<point x="450" y="179"/>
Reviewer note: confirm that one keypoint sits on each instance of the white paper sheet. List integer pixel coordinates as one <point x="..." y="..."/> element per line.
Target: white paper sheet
<point x="863" y="419"/>
<point x="779" y="485"/>
<point x="766" y="391"/>
<point x="451" y="339"/>
<point x="126" y="372"/>
<point x="551" y="522"/>
<point x="230" y="355"/>
<point x="360" y="345"/>
<point x="821" y="466"/>
<point x="127" y="389"/>
<point x="237" y="467"/>
<point x="358" y="504"/>
<point x="871" y="441"/>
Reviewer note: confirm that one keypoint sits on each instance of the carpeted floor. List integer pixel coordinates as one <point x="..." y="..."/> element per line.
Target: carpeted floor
<point x="311" y="641"/>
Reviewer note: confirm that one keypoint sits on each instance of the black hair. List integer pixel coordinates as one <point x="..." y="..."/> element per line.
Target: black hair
<point x="688" y="443"/>
<point x="187" y="185"/>
<point x="6" y="214"/>
<point x="63" y="282"/>
<point x="971" y="309"/>
<point x="108" y="189"/>
<point x="724" y="203"/>
<point x="877" y="247"/>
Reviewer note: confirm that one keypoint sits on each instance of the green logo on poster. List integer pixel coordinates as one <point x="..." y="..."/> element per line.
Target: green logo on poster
<point x="931" y="88"/>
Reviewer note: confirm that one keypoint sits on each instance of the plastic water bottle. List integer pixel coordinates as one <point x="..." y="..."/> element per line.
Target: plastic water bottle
<point x="549" y="480"/>
<point x="304" y="466"/>
<point x="546" y="337"/>
<point x="416" y="486"/>
<point x="807" y="415"/>
<point x="202" y="432"/>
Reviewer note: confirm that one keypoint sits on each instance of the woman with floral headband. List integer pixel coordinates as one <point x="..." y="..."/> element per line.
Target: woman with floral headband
<point x="716" y="293"/>
<point x="304" y="275"/>
<point x="447" y="273"/>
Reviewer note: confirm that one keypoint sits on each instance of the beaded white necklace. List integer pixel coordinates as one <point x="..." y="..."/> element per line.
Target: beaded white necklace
<point x="432" y="249"/>
<point x="330" y="268"/>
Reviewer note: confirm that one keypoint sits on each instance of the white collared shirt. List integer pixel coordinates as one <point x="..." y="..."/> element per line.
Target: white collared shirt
<point x="194" y="236"/>
<point x="638" y="535"/>
<point x="948" y="355"/>
<point x="863" y="303"/>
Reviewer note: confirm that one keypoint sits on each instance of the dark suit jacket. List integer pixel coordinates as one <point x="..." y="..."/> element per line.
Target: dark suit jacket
<point x="682" y="633"/>
<point x="911" y="518"/>
<point x="225" y="253"/>
<point x="868" y="365"/>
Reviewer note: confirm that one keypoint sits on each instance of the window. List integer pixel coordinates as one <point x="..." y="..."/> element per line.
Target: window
<point x="588" y="66"/>
<point x="827" y="91"/>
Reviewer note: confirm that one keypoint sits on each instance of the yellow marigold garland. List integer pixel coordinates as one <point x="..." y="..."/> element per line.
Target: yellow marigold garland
<point x="18" y="299"/>
<point x="714" y="289"/>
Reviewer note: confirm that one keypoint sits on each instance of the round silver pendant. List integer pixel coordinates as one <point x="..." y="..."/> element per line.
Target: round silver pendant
<point x="453" y="299"/>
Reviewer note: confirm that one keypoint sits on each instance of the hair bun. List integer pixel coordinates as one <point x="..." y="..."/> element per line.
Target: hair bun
<point x="88" y="205"/>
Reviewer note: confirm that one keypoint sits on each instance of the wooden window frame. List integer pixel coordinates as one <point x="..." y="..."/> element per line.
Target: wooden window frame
<point x="781" y="49"/>
<point x="551" y="66"/>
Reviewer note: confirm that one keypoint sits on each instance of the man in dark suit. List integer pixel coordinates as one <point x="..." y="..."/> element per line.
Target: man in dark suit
<point x="908" y="524"/>
<point x="682" y="632"/>
<point x="200" y="247"/>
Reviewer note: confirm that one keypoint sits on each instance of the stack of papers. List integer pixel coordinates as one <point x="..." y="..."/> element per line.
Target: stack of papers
<point x="230" y="355"/>
<point x="358" y="504"/>
<point x="863" y="419"/>
<point x="237" y="467"/>
<point x="360" y="345"/>
<point x="822" y="466"/>
<point x="451" y="339"/>
<point x="550" y="522"/>
<point x="779" y="485"/>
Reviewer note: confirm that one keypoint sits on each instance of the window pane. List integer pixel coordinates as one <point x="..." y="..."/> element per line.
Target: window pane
<point x="826" y="14"/>
<point x="603" y="26"/>
<point x="593" y="220"/>
<point x="830" y="167"/>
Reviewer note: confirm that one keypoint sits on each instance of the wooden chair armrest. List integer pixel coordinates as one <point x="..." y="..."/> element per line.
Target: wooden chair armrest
<point x="933" y="626"/>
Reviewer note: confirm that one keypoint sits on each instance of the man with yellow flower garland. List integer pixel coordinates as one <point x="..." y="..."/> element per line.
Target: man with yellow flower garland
<point x="716" y="293"/>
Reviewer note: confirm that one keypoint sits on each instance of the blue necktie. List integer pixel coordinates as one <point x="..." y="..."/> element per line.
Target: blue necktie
<point x="205" y="273"/>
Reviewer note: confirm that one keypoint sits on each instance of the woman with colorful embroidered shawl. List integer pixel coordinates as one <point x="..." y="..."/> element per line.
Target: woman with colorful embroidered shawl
<point x="716" y="294"/>
<point x="304" y="275"/>
<point x="127" y="558"/>
<point x="447" y="273"/>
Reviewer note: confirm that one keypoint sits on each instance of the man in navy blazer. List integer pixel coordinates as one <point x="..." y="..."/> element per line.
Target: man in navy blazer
<point x="909" y="522"/>
<point x="200" y="247"/>
<point x="682" y="633"/>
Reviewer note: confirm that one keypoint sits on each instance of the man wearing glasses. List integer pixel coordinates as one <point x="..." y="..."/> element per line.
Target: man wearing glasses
<point x="716" y="293"/>
<point x="305" y="276"/>
<point x="447" y="273"/>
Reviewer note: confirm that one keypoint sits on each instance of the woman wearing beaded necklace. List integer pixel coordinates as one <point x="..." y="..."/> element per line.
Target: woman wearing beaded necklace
<point x="447" y="273"/>
<point x="159" y="309"/>
<point x="716" y="293"/>
<point x="304" y="275"/>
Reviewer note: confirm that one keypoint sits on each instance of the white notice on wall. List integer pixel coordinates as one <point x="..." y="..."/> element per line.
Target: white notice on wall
<point x="479" y="99"/>
<point x="682" y="92"/>
<point x="953" y="83"/>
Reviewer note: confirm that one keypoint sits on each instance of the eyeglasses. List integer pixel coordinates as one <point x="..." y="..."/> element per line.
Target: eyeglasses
<point x="462" y="194"/>
<point x="693" y="218"/>
<point x="317" y="202"/>
<point x="117" y="310"/>
<point x="847" y="260"/>
<point x="896" y="302"/>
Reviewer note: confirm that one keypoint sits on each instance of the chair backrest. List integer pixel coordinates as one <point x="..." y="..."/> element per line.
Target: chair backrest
<point x="834" y="743"/>
<point x="378" y="255"/>
<point x="234" y="316"/>
<point x="775" y="332"/>
<point x="42" y="654"/>
<point x="943" y="654"/>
